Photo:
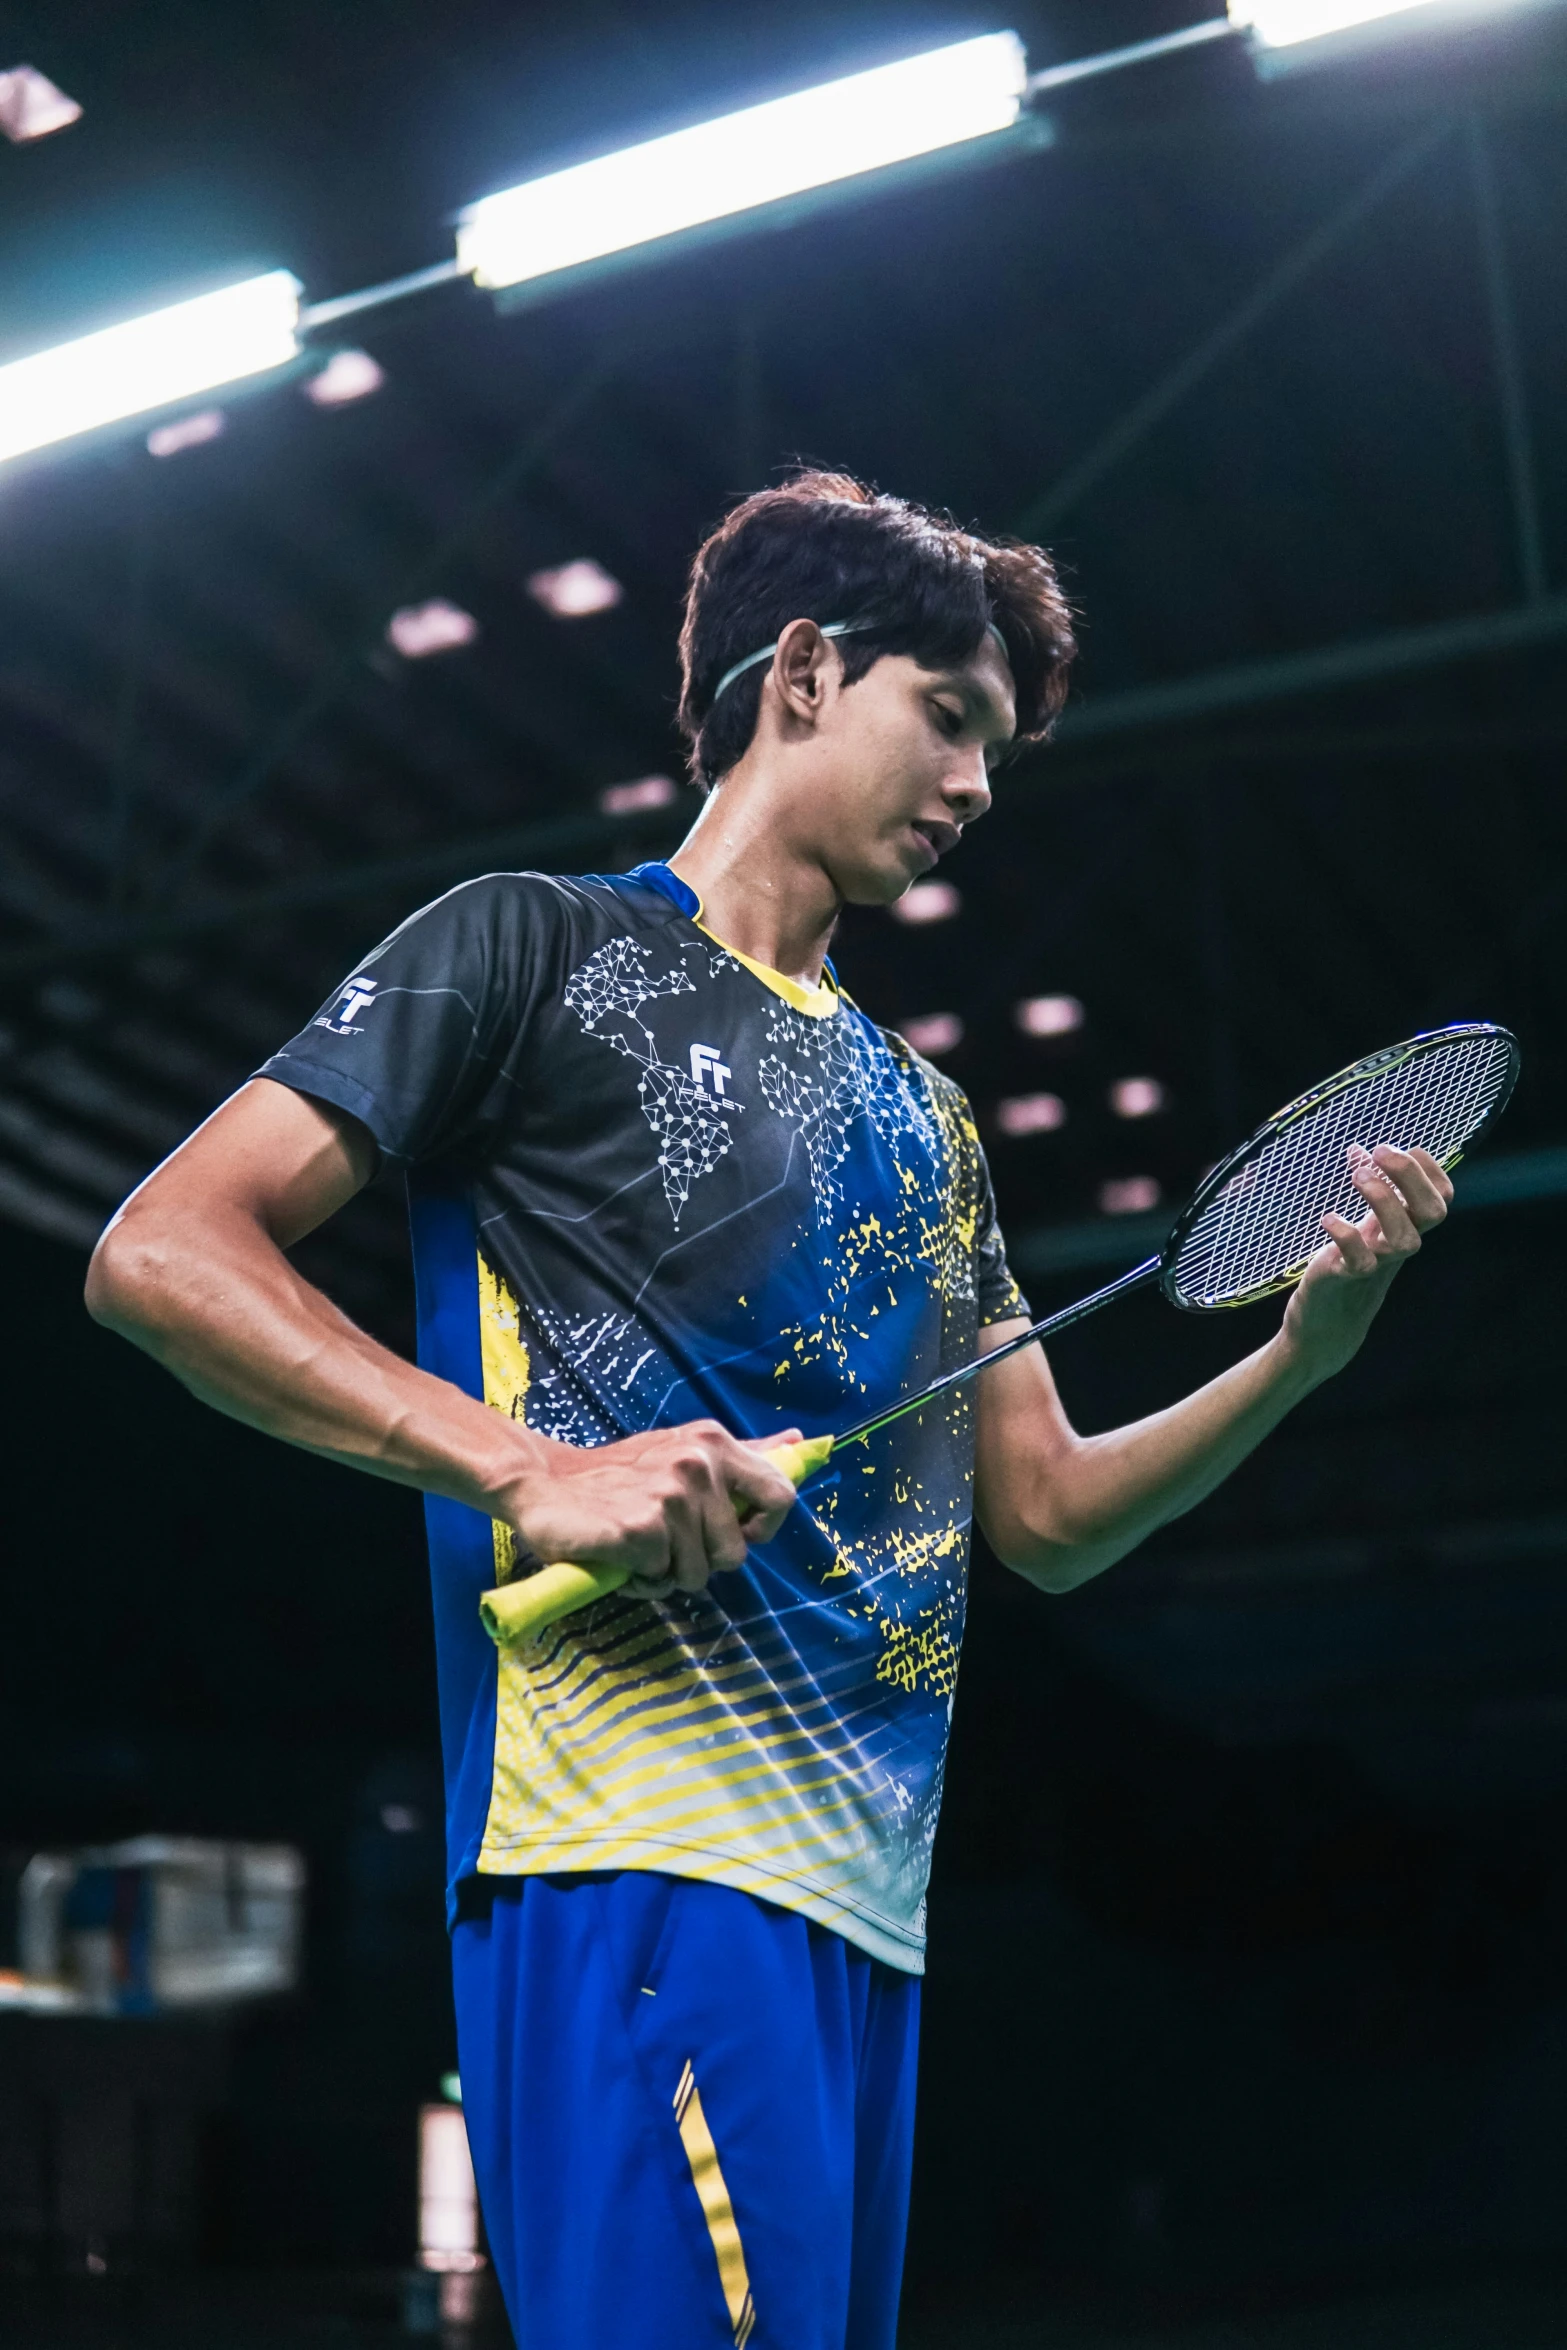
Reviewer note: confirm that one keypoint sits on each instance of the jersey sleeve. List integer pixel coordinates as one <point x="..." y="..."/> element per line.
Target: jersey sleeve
<point x="420" y="1042"/>
<point x="1000" y="1299"/>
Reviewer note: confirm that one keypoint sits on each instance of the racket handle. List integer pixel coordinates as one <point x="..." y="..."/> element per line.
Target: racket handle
<point x="516" y="1611"/>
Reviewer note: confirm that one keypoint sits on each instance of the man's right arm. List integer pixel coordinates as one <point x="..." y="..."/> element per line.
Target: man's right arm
<point x="194" y="1270"/>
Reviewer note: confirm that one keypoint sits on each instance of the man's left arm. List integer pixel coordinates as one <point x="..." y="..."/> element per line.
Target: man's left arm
<point x="1059" y="1508"/>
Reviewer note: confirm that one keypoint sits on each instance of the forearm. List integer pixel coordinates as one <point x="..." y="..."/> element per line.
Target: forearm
<point x="215" y="1300"/>
<point x="1064" y="1511"/>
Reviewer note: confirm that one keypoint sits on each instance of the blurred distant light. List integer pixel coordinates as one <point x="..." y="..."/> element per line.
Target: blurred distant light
<point x="400" y="1819"/>
<point x="1137" y="1097"/>
<point x="1049" y="1015"/>
<point x="31" y="107"/>
<point x="934" y="1033"/>
<point x="1031" y="1113"/>
<point x="448" y="2198"/>
<point x="575" y="590"/>
<point x="149" y="362"/>
<point x="648" y="791"/>
<point x="1129" y="1195"/>
<point x="755" y="157"/>
<point x="927" y="901"/>
<point x="186" y="432"/>
<point x="436" y="627"/>
<point x="1280" y="24"/>
<point x="347" y="375"/>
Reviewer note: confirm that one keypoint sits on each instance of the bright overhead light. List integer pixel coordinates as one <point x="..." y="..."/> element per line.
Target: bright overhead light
<point x="1049" y="1015"/>
<point x="148" y="362"/>
<point x="934" y="1033"/>
<point x="436" y="627"/>
<point x="347" y="375"/>
<point x="186" y="432"/>
<point x="648" y="791"/>
<point x="1031" y="1113"/>
<point x="1129" y="1195"/>
<point x="755" y="157"/>
<point x="1280" y="24"/>
<point x="926" y="901"/>
<point x="575" y="590"/>
<point x="1137" y="1097"/>
<point x="31" y="107"/>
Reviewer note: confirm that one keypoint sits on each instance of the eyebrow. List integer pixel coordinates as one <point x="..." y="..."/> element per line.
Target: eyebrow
<point x="988" y="707"/>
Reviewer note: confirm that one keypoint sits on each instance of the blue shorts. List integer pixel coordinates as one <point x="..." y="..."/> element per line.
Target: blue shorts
<point x="691" y="2114"/>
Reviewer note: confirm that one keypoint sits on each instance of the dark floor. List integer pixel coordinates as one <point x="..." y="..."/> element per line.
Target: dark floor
<point x="366" y="2312"/>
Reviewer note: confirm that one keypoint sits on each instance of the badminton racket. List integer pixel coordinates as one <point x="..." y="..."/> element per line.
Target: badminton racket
<point x="1249" y="1230"/>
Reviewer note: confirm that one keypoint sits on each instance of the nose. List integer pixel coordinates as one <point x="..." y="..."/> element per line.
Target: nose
<point x="967" y="788"/>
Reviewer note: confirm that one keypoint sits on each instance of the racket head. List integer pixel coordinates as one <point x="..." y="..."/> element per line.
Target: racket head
<point x="1255" y="1221"/>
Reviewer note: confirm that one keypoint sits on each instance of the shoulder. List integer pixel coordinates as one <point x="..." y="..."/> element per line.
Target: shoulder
<point x="513" y="914"/>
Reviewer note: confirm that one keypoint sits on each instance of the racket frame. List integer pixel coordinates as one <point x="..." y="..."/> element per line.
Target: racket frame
<point x="1376" y="1064"/>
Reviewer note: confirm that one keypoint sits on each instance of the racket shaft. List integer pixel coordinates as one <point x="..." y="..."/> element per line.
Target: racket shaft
<point x="1137" y="1278"/>
<point x="516" y="1611"/>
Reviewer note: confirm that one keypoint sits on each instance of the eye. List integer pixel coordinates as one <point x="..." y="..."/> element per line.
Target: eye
<point x="948" y="719"/>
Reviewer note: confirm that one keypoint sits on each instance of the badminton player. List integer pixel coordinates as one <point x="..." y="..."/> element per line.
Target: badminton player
<point x="674" y="1196"/>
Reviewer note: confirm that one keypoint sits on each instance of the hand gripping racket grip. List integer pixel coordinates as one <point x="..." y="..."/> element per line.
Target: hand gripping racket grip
<point x="515" y="1611"/>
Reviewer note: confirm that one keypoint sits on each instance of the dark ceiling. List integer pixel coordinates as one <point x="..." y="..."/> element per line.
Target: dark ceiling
<point x="1230" y="346"/>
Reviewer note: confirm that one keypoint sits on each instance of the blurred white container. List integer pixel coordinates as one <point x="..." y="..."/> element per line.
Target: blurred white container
<point x="160" y="1922"/>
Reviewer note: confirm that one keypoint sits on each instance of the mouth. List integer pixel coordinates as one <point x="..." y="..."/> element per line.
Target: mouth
<point x="938" y="836"/>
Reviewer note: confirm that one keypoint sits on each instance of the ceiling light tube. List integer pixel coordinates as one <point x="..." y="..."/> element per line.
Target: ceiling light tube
<point x="1285" y="24"/>
<point x="149" y="362"/>
<point x="783" y="148"/>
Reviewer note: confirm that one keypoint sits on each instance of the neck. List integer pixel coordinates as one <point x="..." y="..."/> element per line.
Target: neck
<point x="762" y="892"/>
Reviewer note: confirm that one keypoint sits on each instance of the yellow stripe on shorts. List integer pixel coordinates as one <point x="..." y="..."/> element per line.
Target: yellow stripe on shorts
<point x="717" y="2210"/>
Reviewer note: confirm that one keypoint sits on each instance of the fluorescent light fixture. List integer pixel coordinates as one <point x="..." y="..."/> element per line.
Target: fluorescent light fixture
<point x="755" y="157"/>
<point x="1049" y="1015"/>
<point x="1137" y="1097"/>
<point x="347" y="375"/>
<point x="31" y="107"/>
<point x="926" y="901"/>
<point x="186" y="432"/>
<point x="1281" y="24"/>
<point x="1031" y="1113"/>
<point x="1129" y="1195"/>
<point x="148" y="362"/>
<point x="575" y="590"/>
<point x="436" y="627"/>
<point x="934" y="1033"/>
<point x="648" y="791"/>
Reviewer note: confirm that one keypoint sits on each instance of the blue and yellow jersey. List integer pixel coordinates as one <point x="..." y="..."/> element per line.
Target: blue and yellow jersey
<point x="650" y="1182"/>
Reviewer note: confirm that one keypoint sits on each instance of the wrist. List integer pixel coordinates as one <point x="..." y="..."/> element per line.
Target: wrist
<point x="515" y="1472"/>
<point x="1298" y="1365"/>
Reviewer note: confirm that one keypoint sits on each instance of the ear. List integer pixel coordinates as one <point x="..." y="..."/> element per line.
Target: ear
<point x="801" y="668"/>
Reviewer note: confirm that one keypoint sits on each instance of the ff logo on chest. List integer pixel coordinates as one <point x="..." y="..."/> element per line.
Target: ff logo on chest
<point x="708" y="1069"/>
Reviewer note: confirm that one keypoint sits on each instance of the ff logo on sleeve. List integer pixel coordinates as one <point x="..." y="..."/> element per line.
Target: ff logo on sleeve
<point x="354" y="997"/>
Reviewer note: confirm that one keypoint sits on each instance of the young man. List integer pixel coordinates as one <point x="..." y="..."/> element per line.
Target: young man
<point x="674" y="1197"/>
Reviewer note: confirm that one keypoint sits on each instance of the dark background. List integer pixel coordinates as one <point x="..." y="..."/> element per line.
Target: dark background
<point x="1249" y="1926"/>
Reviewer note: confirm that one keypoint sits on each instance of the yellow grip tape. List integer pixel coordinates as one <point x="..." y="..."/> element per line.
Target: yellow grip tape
<point x="515" y="1611"/>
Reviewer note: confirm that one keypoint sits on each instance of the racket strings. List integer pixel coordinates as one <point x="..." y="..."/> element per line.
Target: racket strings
<point x="1262" y="1228"/>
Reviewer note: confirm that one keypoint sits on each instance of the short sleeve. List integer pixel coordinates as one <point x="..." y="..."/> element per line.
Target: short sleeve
<point x="416" y="1043"/>
<point x="1000" y="1299"/>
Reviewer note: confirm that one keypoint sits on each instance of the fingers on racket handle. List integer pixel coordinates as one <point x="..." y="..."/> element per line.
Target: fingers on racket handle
<point x="516" y="1611"/>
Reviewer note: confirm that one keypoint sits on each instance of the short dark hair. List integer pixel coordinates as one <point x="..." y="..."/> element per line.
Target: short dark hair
<point x="824" y="547"/>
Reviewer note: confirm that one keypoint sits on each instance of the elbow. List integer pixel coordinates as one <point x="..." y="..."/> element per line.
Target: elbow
<point x="128" y="1276"/>
<point x="1059" y="1531"/>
